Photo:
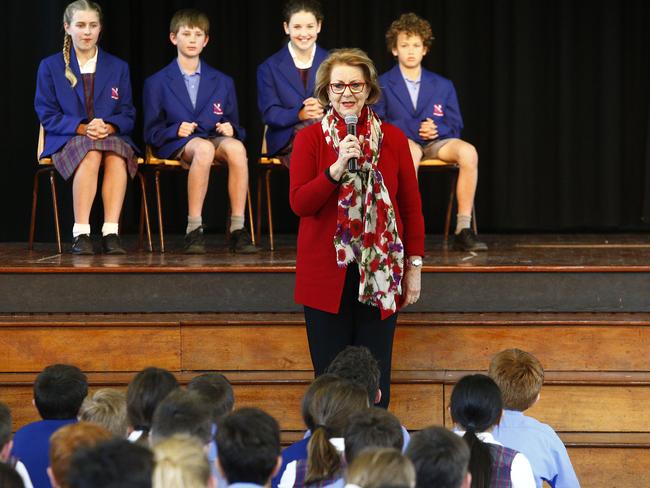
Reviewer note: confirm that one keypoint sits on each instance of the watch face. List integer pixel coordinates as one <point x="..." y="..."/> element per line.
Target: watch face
<point x="416" y="262"/>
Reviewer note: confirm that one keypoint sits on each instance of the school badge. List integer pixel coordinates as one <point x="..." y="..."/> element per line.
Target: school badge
<point x="437" y="110"/>
<point x="115" y="94"/>
<point x="216" y="108"/>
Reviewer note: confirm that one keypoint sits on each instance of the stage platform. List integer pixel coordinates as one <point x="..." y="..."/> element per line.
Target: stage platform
<point x="520" y="273"/>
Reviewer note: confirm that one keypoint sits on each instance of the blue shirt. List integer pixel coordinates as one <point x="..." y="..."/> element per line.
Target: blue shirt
<point x="413" y="87"/>
<point x="213" y="453"/>
<point x="32" y="446"/>
<point x="192" y="82"/>
<point x="541" y="445"/>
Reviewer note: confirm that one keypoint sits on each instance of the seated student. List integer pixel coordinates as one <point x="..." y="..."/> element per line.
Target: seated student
<point x="190" y="113"/>
<point x="83" y="101"/>
<point x="331" y="405"/>
<point x="441" y="459"/>
<point x="9" y="477"/>
<point x="374" y="427"/>
<point x="59" y="391"/>
<point x="424" y="105"/>
<point x="181" y="412"/>
<point x="107" y="407"/>
<point x="146" y="390"/>
<point x="68" y="440"/>
<point x="110" y="464"/>
<point x="181" y="463"/>
<point x="381" y="468"/>
<point x="6" y="445"/>
<point x="475" y="408"/>
<point x="216" y="392"/>
<point x="520" y="375"/>
<point x="249" y="447"/>
<point x="285" y="81"/>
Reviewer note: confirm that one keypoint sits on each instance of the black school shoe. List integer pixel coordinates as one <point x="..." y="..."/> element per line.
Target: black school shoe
<point x="194" y="242"/>
<point x="241" y="242"/>
<point x="467" y="241"/>
<point x="82" y="245"/>
<point x="111" y="244"/>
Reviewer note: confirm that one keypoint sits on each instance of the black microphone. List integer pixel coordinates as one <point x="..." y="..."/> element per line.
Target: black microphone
<point x="351" y="123"/>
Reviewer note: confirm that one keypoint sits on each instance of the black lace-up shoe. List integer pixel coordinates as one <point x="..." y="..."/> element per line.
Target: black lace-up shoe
<point x="82" y="245"/>
<point x="194" y="242"/>
<point x="467" y="241"/>
<point x="111" y="244"/>
<point x="241" y="242"/>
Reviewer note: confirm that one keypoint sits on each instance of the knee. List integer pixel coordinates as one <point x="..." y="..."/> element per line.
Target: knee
<point x="468" y="156"/>
<point x="203" y="154"/>
<point x="235" y="153"/>
<point x="91" y="161"/>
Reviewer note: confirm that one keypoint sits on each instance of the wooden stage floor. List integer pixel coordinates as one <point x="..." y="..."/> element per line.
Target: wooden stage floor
<point x="541" y="252"/>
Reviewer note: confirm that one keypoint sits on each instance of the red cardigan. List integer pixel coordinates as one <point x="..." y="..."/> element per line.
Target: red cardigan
<point x="314" y="198"/>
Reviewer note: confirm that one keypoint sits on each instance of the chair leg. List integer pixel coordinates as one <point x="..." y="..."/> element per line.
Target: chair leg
<point x="474" y="224"/>
<point x="32" y="224"/>
<point x="250" y="214"/>
<point x="160" y="219"/>
<point x="268" y="208"/>
<point x="450" y="205"/>
<point x="258" y="221"/>
<point x="144" y="211"/>
<point x="55" y="208"/>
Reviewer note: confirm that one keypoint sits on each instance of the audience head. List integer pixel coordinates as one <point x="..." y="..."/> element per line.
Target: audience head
<point x="409" y="25"/>
<point x="248" y="442"/>
<point x="107" y="407"/>
<point x="330" y="408"/>
<point x="381" y="468"/>
<point x="65" y="442"/>
<point x="181" y="463"/>
<point x="519" y="375"/>
<point x="476" y="406"/>
<point x="5" y="432"/>
<point x="145" y="392"/>
<point x="316" y="385"/>
<point x="9" y="477"/>
<point x="215" y="390"/>
<point x="191" y="18"/>
<point x="59" y="391"/>
<point x="440" y="457"/>
<point x="358" y="365"/>
<point x="181" y="412"/>
<point x="116" y="463"/>
<point x="372" y="428"/>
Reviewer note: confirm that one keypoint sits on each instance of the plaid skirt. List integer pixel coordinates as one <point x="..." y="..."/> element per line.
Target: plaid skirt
<point x="70" y="156"/>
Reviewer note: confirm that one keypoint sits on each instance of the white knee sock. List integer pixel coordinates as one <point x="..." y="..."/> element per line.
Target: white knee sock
<point x="110" y="228"/>
<point x="462" y="222"/>
<point x="193" y="223"/>
<point x="78" y="229"/>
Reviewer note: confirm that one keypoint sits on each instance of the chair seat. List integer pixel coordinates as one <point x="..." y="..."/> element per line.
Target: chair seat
<point x="265" y="161"/>
<point x="437" y="163"/>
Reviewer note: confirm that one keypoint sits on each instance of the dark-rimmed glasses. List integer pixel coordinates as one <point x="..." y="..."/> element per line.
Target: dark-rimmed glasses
<point x="355" y="87"/>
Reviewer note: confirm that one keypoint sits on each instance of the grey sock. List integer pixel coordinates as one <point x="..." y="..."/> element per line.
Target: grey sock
<point x="236" y="222"/>
<point x="462" y="222"/>
<point x="193" y="223"/>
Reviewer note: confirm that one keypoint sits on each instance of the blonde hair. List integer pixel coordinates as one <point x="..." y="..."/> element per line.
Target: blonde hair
<point x="180" y="463"/>
<point x="374" y="468"/>
<point x="107" y="407"/>
<point x="519" y="375"/>
<point x="350" y="57"/>
<point x="68" y="14"/>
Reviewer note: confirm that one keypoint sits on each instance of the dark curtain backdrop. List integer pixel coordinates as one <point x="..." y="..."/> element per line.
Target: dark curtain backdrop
<point x="554" y="95"/>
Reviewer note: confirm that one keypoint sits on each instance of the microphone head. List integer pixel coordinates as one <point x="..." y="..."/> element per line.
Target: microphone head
<point x="351" y="119"/>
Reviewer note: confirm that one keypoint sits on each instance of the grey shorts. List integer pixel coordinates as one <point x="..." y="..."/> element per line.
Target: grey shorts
<point x="430" y="150"/>
<point x="216" y="142"/>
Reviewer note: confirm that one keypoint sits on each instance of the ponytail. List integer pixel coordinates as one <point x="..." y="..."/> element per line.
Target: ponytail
<point x="480" y="460"/>
<point x="69" y="74"/>
<point x="323" y="460"/>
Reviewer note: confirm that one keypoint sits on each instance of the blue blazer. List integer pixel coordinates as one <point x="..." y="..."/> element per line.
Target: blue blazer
<point x="61" y="108"/>
<point x="280" y="94"/>
<point x="167" y="104"/>
<point x="436" y="100"/>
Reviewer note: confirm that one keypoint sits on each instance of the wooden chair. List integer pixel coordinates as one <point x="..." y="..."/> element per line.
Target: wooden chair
<point x="265" y="167"/>
<point x="158" y="165"/>
<point x="440" y="166"/>
<point x="45" y="165"/>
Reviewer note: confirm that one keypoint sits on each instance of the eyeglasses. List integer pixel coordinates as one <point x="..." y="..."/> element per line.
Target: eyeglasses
<point x="355" y="87"/>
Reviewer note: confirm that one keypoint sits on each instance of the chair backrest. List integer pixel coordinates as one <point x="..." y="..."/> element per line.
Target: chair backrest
<point x="265" y="159"/>
<point x="40" y="146"/>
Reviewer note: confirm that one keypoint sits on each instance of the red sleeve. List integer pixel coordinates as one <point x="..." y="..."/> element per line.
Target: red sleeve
<point x="309" y="187"/>
<point x="409" y="201"/>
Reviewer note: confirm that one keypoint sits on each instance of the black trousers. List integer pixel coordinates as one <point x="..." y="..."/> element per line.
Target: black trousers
<point x="356" y="324"/>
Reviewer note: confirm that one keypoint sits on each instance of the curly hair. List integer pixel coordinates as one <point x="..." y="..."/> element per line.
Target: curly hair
<point x="411" y="25"/>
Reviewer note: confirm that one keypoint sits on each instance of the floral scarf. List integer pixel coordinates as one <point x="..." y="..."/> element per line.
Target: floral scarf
<point x="366" y="230"/>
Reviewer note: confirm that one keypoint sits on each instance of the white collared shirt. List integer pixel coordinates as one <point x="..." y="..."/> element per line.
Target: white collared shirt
<point x="302" y="64"/>
<point x="91" y="65"/>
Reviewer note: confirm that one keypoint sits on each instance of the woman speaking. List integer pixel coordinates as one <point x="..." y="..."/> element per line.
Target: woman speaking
<point x="361" y="236"/>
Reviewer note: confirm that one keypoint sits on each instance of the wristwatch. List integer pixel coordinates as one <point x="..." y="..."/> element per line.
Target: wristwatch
<point x="415" y="262"/>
